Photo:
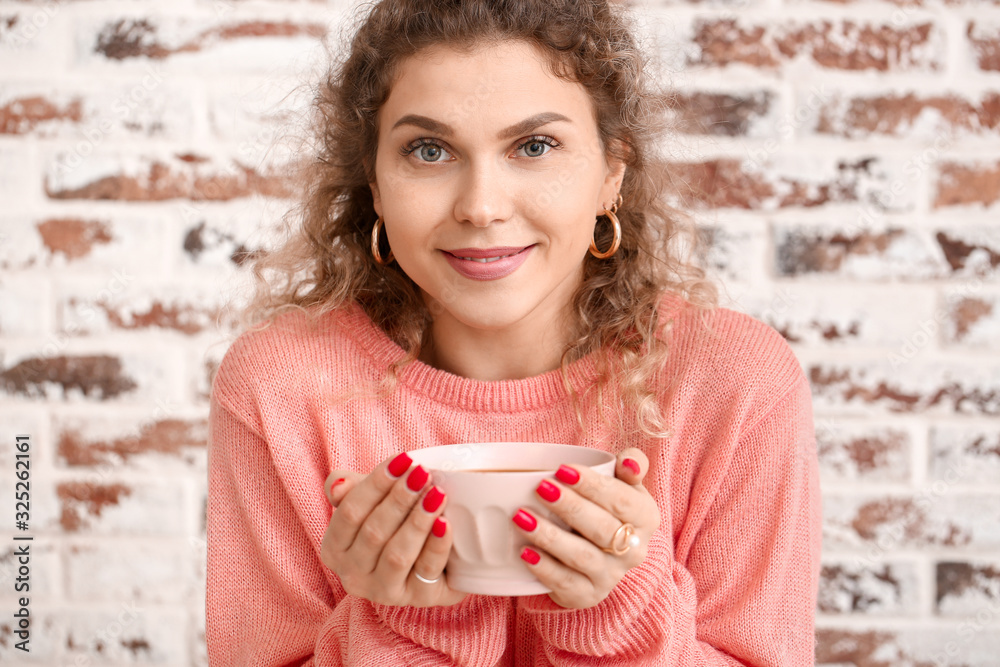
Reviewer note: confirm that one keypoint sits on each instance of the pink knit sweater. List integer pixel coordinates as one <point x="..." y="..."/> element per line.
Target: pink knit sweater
<point x="730" y="578"/>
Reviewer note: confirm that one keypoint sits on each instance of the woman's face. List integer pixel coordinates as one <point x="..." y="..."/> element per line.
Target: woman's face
<point x="488" y="154"/>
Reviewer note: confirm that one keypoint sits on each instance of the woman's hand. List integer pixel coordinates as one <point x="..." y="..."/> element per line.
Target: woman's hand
<point x="578" y="567"/>
<point x="386" y="532"/>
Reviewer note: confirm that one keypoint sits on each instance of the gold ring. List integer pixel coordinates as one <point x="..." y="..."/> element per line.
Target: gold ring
<point x="623" y="540"/>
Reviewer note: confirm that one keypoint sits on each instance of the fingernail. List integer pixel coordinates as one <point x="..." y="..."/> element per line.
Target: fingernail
<point x="336" y="483"/>
<point x="567" y="475"/>
<point x="530" y="556"/>
<point x="548" y="491"/>
<point x="399" y="465"/>
<point x="632" y="465"/>
<point x="417" y="479"/>
<point x="525" y="521"/>
<point x="439" y="527"/>
<point x="433" y="499"/>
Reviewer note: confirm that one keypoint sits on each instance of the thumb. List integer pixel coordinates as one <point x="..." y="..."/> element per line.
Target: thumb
<point x="338" y="483"/>
<point x="632" y="466"/>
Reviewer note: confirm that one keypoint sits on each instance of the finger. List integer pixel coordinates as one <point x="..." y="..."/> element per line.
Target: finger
<point x="433" y="557"/>
<point x="355" y="507"/>
<point x="589" y="519"/>
<point x="574" y="551"/>
<point x="631" y="466"/>
<point x="338" y="483"/>
<point x="620" y="499"/>
<point x="387" y="517"/>
<point x="569" y="588"/>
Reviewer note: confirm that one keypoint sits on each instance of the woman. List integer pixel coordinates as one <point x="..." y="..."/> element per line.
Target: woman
<point x="484" y="256"/>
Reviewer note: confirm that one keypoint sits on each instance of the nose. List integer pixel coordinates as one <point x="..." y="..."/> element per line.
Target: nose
<point x="484" y="195"/>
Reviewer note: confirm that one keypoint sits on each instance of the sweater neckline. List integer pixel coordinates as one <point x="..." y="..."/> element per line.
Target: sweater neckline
<point x="516" y="395"/>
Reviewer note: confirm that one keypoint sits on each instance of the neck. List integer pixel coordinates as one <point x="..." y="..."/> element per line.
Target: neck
<point x="511" y="354"/>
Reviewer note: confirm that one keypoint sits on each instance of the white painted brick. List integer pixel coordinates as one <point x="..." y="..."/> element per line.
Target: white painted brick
<point x="165" y="440"/>
<point x="127" y="242"/>
<point x="96" y="504"/>
<point x="44" y="575"/>
<point x="180" y="308"/>
<point x="148" y="573"/>
<point x="125" y="633"/>
<point x="937" y="516"/>
<point x="25" y="305"/>
<point x="44" y="642"/>
<point x="972" y="452"/>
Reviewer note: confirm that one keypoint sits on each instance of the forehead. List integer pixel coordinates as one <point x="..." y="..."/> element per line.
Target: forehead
<point x="491" y="84"/>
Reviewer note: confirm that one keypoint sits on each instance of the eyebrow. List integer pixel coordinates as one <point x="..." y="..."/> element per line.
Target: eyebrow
<point x="516" y="130"/>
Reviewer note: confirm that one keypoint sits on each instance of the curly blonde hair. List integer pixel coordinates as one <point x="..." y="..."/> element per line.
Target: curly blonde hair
<point x="327" y="263"/>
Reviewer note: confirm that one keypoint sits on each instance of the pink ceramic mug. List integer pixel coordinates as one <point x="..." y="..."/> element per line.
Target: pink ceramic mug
<point x="486" y="483"/>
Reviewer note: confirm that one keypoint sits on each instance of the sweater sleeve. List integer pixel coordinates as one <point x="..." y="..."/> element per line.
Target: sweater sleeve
<point x="271" y="602"/>
<point x="746" y="592"/>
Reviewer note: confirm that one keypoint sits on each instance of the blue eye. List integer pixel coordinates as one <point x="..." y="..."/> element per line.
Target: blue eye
<point x="537" y="143"/>
<point x="433" y="154"/>
<point x="434" y="150"/>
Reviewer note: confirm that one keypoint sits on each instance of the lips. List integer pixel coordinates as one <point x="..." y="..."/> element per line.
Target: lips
<point x="487" y="263"/>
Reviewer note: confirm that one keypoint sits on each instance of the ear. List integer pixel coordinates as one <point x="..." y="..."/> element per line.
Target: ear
<point x="612" y="182"/>
<point x="376" y="198"/>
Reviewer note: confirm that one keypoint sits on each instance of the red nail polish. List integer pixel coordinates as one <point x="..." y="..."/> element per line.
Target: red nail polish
<point x="399" y="465"/>
<point x="567" y="475"/>
<point x="433" y="499"/>
<point x="417" y="479"/>
<point x="632" y="465"/>
<point x="439" y="527"/>
<point x="548" y="491"/>
<point x="530" y="556"/>
<point x="525" y="521"/>
<point x="337" y="483"/>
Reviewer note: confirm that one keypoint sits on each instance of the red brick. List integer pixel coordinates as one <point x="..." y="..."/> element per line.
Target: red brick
<point x="99" y="505"/>
<point x="974" y="452"/>
<point x="134" y="38"/>
<point x="205" y="239"/>
<point x="719" y="114"/>
<point x="905" y="386"/>
<point x="985" y="43"/>
<point x="22" y="115"/>
<point x="73" y="237"/>
<point x="923" y="645"/>
<point x="182" y="176"/>
<point x="156" y="441"/>
<point x="732" y="183"/>
<point x="90" y="245"/>
<point x="877" y="589"/>
<point x="869" y="254"/>
<point x="899" y="115"/>
<point x="964" y="588"/>
<point x="861" y="451"/>
<point x="95" y="376"/>
<point x="846" y="45"/>
<point x="186" y="314"/>
<point x="936" y="516"/>
<point x="972" y="252"/>
<point x="964" y="184"/>
<point x="79" y="500"/>
<point x="974" y="321"/>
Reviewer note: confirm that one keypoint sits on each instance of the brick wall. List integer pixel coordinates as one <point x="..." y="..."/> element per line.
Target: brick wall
<point x="842" y="156"/>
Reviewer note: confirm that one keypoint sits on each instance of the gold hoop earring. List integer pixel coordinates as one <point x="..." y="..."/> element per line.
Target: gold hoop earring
<point x="375" y="253"/>
<point x="617" y="240"/>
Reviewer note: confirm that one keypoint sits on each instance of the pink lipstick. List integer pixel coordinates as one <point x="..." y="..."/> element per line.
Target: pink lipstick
<point x="487" y="263"/>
